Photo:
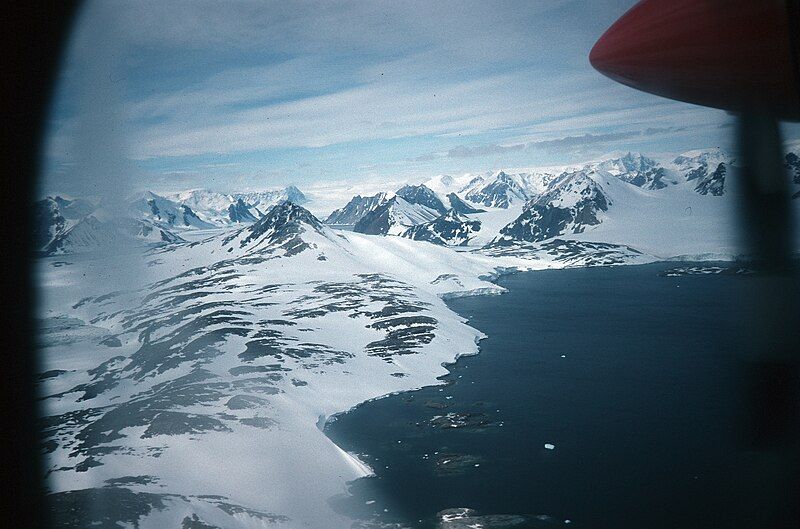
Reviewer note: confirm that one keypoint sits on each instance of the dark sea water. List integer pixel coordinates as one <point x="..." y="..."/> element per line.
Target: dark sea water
<point x="634" y="378"/>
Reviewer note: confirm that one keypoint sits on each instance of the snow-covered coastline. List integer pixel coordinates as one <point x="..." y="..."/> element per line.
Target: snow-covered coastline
<point x="414" y="274"/>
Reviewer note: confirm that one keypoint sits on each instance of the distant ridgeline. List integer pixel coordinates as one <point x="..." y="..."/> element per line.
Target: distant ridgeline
<point x="494" y="209"/>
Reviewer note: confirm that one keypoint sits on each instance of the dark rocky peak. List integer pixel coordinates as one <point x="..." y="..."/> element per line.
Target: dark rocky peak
<point x="713" y="183"/>
<point x="240" y="212"/>
<point x="448" y="229"/>
<point x="421" y="195"/>
<point x="461" y="207"/>
<point x="356" y="209"/>
<point x="285" y="215"/>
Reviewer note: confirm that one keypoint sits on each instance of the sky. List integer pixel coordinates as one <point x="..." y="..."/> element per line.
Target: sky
<point x="241" y="96"/>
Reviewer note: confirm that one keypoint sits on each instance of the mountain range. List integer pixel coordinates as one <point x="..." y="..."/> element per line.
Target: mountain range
<point x="68" y="225"/>
<point x="499" y="208"/>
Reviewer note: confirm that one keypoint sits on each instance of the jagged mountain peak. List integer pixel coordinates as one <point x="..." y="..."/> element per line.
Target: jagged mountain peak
<point x="240" y="212"/>
<point x="286" y="226"/>
<point x="572" y="203"/>
<point x="286" y="213"/>
<point x="636" y="161"/>
<point x="713" y="182"/>
<point x="448" y="229"/>
<point x="355" y="209"/>
<point x="422" y="195"/>
<point x="636" y="169"/>
<point x="500" y="190"/>
<point x="459" y="206"/>
<point x="151" y="206"/>
<point x="395" y="215"/>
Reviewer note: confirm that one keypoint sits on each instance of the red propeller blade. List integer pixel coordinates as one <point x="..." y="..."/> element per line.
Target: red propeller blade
<point x="730" y="54"/>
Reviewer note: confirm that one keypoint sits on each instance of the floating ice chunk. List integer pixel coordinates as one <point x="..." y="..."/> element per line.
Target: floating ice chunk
<point x="550" y="446"/>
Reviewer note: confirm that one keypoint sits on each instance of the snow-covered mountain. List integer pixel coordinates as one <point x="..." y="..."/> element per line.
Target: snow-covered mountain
<point x="220" y="209"/>
<point x="48" y="221"/>
<point x="99" y="233"/>
<point x="595" y="197"/>
<point x="86" y="235"/>
<point x="449" y="229"/>
<point x="459" y="206"/>
<point x="705" y="168"/>
<point x="210" y="206"/>
<point x="155" y="208"/>
<point x="635" y="169"/>
<point x="532" y="205"/>
<point x="573" y="202"/>
<point x="410" y="205"/>
<point x="240" y="212"/>
<point x="229" y="350"/>
<point x="264" y="199"/>
<point x="69" y="226"/>
<point x="444" y="184"/>
<point x="355" y="210"/>
<point x="394" y="216"/>
<point x="422" y="196"/>
<point x="711" y="182"/>
<point x="499" y="191"/>
<point x="74" y="208"/>
<point x="280" y="229"/>
<point x="691" y="160"/>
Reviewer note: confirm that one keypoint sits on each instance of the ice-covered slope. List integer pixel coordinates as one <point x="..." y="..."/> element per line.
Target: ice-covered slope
<point x="74" y="208"/>
<point x="87" y="235"/>
<point x="100" y="233"/>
